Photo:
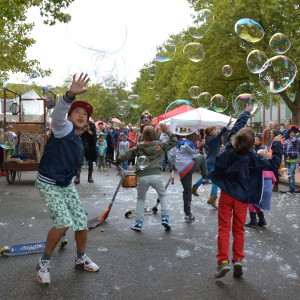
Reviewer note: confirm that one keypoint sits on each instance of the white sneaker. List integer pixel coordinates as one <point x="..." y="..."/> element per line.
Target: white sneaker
<point x="43" y="271"/>
<point x="86" y="263"/>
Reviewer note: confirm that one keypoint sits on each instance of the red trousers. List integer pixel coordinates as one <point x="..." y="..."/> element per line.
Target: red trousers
<point x="231" y="209"/>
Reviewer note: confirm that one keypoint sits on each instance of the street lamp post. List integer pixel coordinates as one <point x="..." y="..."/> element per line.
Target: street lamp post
<point x="271" y="97"/>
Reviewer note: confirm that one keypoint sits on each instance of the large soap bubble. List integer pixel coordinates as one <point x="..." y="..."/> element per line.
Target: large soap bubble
<point x="182" y="117"/>
<point x="218" y="103"/>
<point x="203" y="22"/>
<point x="256" y="59"/>
<point x="249" y="30"/>
<point x="135" y="101"/>
<point x="152" y="70"/>
<point x="279" y="43"/>
<point x="194" y="92"/>
<point x="165" y="53"/>
<point x="227" y="70"/>
<point x="194" y="52"/>
<point x="10" y="140"/>
<point x="279" y="73"/>
<point x="96" y="29"/>
<point x="142" y="162"/>
<point x="123" y="108"/>
<point x="245" y="94"/>
<point x="244" y="100"/>
<point x="204" y="100"/>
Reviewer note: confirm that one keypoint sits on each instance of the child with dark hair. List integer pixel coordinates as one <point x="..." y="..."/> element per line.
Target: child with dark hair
<point x="150" y="175"/>
<point x="186" y="160"/>
<point x="238" y="173"/>
<point x="213" y="143"/>
<point x="59" y="164"/>
<point x="258" y="142"/>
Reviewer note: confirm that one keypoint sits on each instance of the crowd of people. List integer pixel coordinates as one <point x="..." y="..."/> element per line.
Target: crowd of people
<point x="243" y="164"/>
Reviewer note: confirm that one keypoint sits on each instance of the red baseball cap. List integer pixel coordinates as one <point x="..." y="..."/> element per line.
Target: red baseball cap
<point x="88" y="107"/>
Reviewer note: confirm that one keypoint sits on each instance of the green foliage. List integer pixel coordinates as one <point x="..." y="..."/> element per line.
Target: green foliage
<point x="223" y="46"/>
<point x="15" y="33"/>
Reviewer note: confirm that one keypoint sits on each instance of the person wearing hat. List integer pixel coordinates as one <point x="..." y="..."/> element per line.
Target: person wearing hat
<point x="290" y="152"/>
<point x="58" y="166"/>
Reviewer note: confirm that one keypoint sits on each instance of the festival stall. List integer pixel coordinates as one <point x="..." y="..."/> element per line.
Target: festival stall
<point x="23" y="133"/>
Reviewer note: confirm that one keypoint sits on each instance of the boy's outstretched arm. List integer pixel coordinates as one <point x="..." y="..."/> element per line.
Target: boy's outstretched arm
<point x="240" y="122"/>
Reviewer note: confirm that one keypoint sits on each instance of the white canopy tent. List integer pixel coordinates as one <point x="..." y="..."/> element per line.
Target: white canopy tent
<point x="198" y="118"/>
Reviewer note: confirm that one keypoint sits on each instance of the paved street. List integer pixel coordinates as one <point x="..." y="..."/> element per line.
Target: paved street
<point x="153" y="264"/>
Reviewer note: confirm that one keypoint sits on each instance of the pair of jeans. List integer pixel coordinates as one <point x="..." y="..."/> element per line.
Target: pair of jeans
<point x="231" y="210"/>
<point x="156" y="182"/>
<point x="291" y="174"/>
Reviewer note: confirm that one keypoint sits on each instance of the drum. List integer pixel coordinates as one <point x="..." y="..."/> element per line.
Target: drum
<point x="130" y="180"/>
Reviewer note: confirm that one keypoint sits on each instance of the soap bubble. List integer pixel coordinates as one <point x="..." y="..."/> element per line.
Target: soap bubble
<point x="227" y="70"/>
<point x="135" y="101"/>
<point x="203" y="22"/>
<point x="278" y="74"/>
<point x="157" y="97"/>
<point x="152" y="70"/>
<point x="165" y="53"/>
<point x="256" y="59"/>
<point x="218" y="103"/>
<point x="246" y="93"/>
<point x="279" y="43"/>
<point x="108" y="36"/>
<point x="194" y="92"/>
<point x="249" y="30"/>
<point x="142" y="162"/>
<point x="175" y="116"/>
<point x="204" y="100"/>
<point x="123" y="108"/>
<point x="10" y="140"/>
<point x="194" y="52"/>
<point x="150" y="84"/>
<point x="242" y="101"/>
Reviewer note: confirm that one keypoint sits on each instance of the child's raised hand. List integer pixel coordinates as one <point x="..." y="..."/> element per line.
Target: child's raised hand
<point x="249" y="108"/>
<point x="78" y="86"/>
<point x="278" y="138"/>
<point x="163" y="127"/>
<point x="230" y="121"/>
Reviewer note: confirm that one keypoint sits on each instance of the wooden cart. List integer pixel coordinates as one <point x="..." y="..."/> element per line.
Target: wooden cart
<point x="31" y="134"/>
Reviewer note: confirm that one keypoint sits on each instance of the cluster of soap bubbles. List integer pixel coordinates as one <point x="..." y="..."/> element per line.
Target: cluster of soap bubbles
<point x="276" y="73"/>
<point x="203" y="21"/>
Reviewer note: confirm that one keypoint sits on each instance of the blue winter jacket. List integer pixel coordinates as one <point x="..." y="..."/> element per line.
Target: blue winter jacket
<point x="240" y="175"/>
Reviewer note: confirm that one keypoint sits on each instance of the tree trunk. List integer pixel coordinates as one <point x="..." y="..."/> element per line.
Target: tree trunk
<point x="294" y="106"/>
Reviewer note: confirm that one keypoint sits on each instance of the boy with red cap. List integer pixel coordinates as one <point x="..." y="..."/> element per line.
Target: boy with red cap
<point x="59" y="164"/>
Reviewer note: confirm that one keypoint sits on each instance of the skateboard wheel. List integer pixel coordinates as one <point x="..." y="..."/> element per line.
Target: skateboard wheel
<point x="128" y="214"/>
<point x="4" y="249"/>
<point x="155" y="210"/>
<point x="63" y="244"/>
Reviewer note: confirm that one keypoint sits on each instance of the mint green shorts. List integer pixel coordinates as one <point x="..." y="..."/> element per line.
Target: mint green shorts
<point x="64" y="205"/>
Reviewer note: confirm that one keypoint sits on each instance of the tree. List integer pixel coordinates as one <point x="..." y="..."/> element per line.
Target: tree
<point x="15" y="33"/>
<point x="223" y="46"/>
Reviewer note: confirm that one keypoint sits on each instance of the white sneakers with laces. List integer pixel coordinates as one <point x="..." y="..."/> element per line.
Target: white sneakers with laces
<point x="43" y="267"/>
<point x="86" y="263"/>
<point x="43" y="271"/>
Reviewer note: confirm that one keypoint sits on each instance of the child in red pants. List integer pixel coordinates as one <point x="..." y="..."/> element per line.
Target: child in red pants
<point x="238" y="173"/>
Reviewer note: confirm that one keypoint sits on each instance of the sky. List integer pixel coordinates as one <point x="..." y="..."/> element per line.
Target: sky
<point x="107" y="37"/>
